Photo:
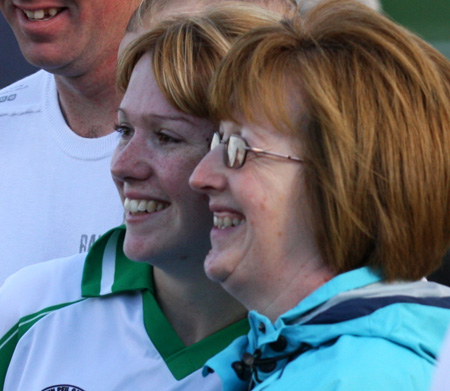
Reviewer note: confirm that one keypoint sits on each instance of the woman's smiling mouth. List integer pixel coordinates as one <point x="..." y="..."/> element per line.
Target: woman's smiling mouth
<point x="143" y="206"/>
<point x="223" y="222"/>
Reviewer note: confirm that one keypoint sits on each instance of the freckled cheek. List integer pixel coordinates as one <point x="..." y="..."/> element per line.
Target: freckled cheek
<point x="125" y="155"/>
<point x="176" y="173"/>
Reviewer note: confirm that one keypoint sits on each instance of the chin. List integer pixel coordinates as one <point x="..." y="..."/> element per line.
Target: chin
<point x="48" y="59"/>
<point x="134" y="251"/>
<point x="214" y="270"/>
<point x="49" y="65"/>
<point x="133" y="255"/>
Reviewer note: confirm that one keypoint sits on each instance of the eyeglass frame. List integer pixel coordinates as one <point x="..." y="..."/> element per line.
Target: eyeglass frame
<point x="217" y="139"/>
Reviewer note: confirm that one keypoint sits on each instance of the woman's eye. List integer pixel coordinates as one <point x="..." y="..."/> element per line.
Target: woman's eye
<point x="164" y="138"/>
<point x="123" y="130"/>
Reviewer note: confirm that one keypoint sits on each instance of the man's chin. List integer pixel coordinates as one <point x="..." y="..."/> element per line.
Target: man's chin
<point x="48" y="58"/>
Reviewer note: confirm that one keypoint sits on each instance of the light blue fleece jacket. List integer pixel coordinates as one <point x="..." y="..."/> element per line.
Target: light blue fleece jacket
<point x="354" y="333"/>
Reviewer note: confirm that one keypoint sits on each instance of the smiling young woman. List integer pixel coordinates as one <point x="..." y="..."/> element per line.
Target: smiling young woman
<point x="154" y="320"/>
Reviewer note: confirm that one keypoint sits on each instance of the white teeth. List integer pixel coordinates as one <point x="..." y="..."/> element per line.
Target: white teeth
<point x="43" y="14"/>
<point x="39" y="14"/>
<point x="136" y="206"/>
<point x="151" y="206"/>
<point x="142" y="207"/>
<point x="226" y="222"/>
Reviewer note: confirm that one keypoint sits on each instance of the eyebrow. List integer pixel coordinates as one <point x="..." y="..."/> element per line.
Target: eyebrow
<point x="162" y="117"/>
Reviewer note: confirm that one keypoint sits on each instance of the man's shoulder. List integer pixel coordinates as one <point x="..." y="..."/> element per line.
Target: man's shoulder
<point x="24" y="94"/>
<point x="39" y="287"/>
<point x="30" y="81"/>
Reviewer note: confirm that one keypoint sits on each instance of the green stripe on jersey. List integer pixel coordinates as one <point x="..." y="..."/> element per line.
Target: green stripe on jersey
<point x="138" y="275"/>
<point x="183" y="360"/>
<point x="107" y="269"/>
<point x="7" y="345"/>
<point x="10" y="340"/>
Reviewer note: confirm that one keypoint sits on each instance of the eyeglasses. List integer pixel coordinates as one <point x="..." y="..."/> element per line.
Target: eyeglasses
<point x="236" y="149"/>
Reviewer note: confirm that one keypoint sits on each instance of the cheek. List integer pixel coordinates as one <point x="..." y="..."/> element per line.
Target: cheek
<point x="254" y="197"/>
<point x="176" y="172"/>
<point x="265" y="206"/>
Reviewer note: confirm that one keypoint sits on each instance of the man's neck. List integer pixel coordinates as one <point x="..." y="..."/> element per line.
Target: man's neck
<point x="89" y="102"/>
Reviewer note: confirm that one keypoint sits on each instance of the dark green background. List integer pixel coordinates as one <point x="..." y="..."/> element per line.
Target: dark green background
<point x="428" y="18"/>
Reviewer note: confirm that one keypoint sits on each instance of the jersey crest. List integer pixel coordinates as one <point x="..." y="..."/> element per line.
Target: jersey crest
<point x="63" y="387"/>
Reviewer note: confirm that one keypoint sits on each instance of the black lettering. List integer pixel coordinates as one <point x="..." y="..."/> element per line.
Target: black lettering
<point x="86" y="242"/>
<point x="3" y="99"/>
<point x="12" y="97"/>
<point x="83" y="243"/>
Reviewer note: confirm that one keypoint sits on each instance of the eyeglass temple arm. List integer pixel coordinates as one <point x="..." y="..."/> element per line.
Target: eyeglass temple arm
<point x="261" y="151"/>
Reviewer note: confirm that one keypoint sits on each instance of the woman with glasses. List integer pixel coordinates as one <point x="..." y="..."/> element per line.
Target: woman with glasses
<point x="329" y="182"/>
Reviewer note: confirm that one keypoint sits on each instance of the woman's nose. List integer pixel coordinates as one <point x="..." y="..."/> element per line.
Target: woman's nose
<point x="131" y="161"/>
<point x="209" y="175"/>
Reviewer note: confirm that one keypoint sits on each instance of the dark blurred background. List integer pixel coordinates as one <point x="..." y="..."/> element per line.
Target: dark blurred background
<point x="12" y="65"/>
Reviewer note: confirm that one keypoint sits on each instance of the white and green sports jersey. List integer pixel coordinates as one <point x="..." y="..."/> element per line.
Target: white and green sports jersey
<point x="91" y="323"/>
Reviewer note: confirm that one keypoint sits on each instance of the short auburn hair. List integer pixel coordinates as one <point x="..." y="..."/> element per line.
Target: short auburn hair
<point x="150" y="11"/>
<point x="186" y="51"/>
<point x="370" y="102"/>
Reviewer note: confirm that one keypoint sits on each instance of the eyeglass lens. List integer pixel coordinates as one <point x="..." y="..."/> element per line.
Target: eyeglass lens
<point x="215" y="141"/>
<point x="234" y="152"/>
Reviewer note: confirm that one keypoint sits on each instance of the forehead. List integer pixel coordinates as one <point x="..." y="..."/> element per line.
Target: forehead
<point x="143" y="100"/>
<point x="143" y="95"/>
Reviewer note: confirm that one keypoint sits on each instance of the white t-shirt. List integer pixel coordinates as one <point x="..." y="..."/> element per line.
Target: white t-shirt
<point x="57" y="195"/>
<point x="93" y="324"/>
